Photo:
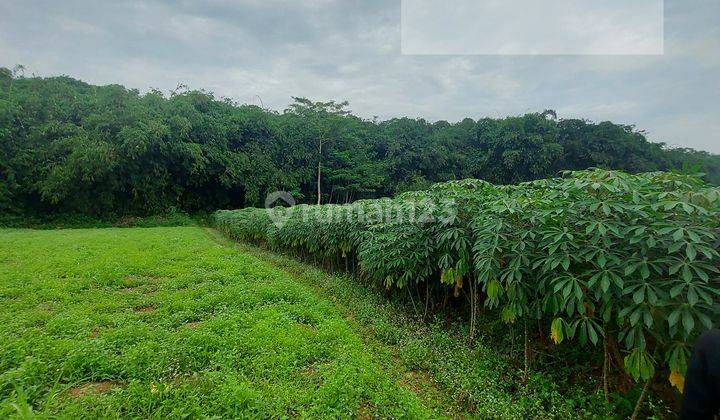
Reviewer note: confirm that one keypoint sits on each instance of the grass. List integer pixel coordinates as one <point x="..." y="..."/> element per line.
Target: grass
<point x="479" y="383"/>
<point x="180" y="322"/>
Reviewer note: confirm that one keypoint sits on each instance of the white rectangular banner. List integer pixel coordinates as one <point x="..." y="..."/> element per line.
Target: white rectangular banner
<point x="531" y="27"/>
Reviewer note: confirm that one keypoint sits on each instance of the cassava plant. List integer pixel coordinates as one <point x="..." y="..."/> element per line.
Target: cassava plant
<point x="628" y="263"/>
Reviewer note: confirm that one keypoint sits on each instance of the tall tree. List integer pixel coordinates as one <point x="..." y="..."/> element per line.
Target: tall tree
<point x="324" y="120"/>
<point x="70" y="147"/>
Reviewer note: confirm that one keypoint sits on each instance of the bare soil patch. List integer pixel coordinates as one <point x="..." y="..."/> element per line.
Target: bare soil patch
<point x="101" y="387"/>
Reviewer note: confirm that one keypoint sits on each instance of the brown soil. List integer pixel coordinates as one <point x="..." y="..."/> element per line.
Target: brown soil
<point x="101" y="387"/>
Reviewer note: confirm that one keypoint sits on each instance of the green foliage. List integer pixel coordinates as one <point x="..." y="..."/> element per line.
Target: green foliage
<point x="480" y="382"/>
<point x="64" y="221"/>
<point x="67" y="147"/>
<point x="93" y="327"/>
<point x="592" y="255"/>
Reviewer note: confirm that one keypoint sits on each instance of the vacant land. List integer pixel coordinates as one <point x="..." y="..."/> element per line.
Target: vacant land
<point x="151" y="322"/>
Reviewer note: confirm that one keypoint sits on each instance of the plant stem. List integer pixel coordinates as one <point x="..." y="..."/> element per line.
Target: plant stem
<point x="427" y="298"/>
<point x="473" y="305"/>
<point x="640" y="400"/>
<point x="412" y="300"/>
<point x="527" y="353"/>
<point x="606" y="362"/>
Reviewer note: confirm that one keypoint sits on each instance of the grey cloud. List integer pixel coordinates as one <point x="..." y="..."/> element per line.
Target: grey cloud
<point x="350" y="50"/>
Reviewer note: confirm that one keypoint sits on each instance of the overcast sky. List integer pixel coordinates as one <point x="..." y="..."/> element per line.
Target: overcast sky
<point x="270" y="50"/>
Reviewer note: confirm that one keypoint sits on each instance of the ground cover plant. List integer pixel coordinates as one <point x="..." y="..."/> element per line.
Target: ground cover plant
<point x="162" y="322"/>
<point x="178" y="321"/>
<point x="626" y="265"/>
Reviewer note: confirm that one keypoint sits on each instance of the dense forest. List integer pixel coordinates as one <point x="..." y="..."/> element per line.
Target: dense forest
<point x="68" y="147"/>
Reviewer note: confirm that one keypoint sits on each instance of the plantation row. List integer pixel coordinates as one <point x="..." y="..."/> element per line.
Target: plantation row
<point x="595" y="257"/>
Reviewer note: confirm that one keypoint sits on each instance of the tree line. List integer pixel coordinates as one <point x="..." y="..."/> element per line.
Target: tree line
<point x="68" y="147"/>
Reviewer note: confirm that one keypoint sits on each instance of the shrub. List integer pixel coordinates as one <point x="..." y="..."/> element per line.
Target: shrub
<point x="599" y="258"/>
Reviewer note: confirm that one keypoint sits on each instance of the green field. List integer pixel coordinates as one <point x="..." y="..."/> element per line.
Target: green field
<point x="151" y="322"/>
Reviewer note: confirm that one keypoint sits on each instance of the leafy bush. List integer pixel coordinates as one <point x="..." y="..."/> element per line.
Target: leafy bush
<point x="599" y="258"/>
<point x="74" y="221"/>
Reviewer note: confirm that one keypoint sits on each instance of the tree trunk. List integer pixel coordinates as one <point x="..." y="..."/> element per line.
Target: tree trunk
<point x="318" y="175"/>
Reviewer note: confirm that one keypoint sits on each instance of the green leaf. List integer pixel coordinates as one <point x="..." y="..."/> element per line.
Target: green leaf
<point x="688" y="322"/>
<point x="644" y="271"/>
<point x="556" y="330"/>
<point x="673" y="317"/>
<point x="639" y="295"/>
<point x="592" y="334"/>
<point x="602" y="260"/>
<point x="494" y="289"/>
<point x="639" y="365"/>
<point x="605" y="283"/>
<point x="678" y="234"/>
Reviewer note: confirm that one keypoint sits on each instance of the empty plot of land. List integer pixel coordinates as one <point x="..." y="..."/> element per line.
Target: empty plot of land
<point x="165" y="321"/>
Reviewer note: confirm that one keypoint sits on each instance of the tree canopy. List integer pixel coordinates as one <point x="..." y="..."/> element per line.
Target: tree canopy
<point x="70" y="147"/>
